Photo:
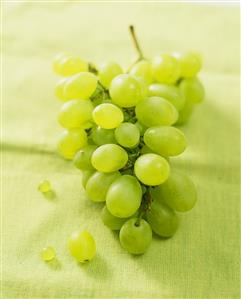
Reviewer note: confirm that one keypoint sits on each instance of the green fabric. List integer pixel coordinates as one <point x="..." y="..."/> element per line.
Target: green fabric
<point x="203" y="259"/>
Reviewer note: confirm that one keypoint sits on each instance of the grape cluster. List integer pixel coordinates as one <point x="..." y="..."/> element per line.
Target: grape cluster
<point x="120" y="131"/>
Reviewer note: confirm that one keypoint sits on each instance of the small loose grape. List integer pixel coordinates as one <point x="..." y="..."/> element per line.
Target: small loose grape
<point x="136" y="237"/>
<point x="82" y="246"/>
<point x="123" y="197"/>
<point x="44" y="186"/>
<point x="108" y="116"/>
<point x="109" y="158"/>
<point x="165" y="141"/>
<point x="114" y="223"/>
<point x="82" y="159"/>
<point x="86" y="174"/>
<point x="75" y="113"/>
<point x="127" y="135"/>
<point x="193" y="90"/>
<point x="80" y="86"/>
<point x="59" y="89"/>
<point x="70" y="142"/>
<point x="126" y="91"/>
<point x="178" y="192"/>
<point x="155" y="111"/>
<point x="66" y="65"/>
<point x="168" y="92"/>
<point x="151" y="169"/>
<point x="190" y="63"/>
<point x="163" y="220"/>
<point x="102" y="136"/>
<point x="48" y="254"/>
<point x="143" y="69"/>
<point x="98" y="185"/>
<point x="165" y="69"/>
<point x="107" y="72"/>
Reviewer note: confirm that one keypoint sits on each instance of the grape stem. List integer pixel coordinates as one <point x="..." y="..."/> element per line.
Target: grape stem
<point x="136" y="43"/>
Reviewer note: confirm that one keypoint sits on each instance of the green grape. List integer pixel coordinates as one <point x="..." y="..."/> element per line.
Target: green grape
<point x="155" y="111"/>
<point x="162" y="219"/>
<point x="193" y="90"/>
<point x="87" y="125"/>
<point x="165" y="141"/>
<point x="178" y="192"/>
<point x="134" y="237"/>
<point x="102" y="136"/>
<point x="66" y="65"/>
<point x="165" y="69"/>
<point x="75" y="113"/>
<point x="108" y="116"/>
<point x="146" y="150"/>
<point x="168" y="92"/>
<point x="126" y="91"/>
<point x="48" y="254"/>
<point x="185" y="113"/>
<point x="70" y="142"/>
<point x="141" y="128"/>
<point x="80" y="86"/>
<point x="151" y="169"/>
<point x="82" y="246"/>
<point x="127" y="135"/>
<point x="190" y="63"/>
<point x="86" y="174"/>
<point x="123" y="198"/>
<point x="82" y="159"/>
<point x="59" y="89"/>
<point x="143" y="69"/>
<point x="98" y="185"/>
<point x="107" y="72"/>
<point x="44" y="186"/>
<point x="109" y="158"/>
<point x="114" y="223"/>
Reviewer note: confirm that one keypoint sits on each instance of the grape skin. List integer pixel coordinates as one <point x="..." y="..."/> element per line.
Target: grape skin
<point x="144" y="70"/>
<point x="127" y="135"/>
<point x="102" y="136"/>
<point x="82" y="159"/>
<point x="107" y="72"/>
<point x="112" y="222"/>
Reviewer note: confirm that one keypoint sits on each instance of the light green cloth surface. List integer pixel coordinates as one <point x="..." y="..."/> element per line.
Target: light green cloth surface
<point x="203" y="259"/>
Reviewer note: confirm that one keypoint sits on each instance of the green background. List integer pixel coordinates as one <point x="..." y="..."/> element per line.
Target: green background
<point x="203" y="259"/>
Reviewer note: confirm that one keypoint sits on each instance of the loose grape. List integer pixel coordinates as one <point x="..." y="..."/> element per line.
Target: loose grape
<point x="136" y="238"/>
<point x="109" y="158"/>
<point x="165" y="141"/>
<point x="82" y="246"/>
<point x="98" y="185"/>
<point x="155" y="111"/>
<point x="108" y="116"/>
<point x="86" y="174"/>
<point x="48" y="254"/>
<point x="44" y="186"/>
<point x="151" y="169"/>
<point x="178" y="192"/>
<point x="168" y="92"/>
<point x="80" y="86"/>
<point x="190" y="63"/>
<point x="59" y="89"/>
<point x="107" y="72"/>
<point x="114" y="223"/>
<point x="165" y="69"/>
<point x="193" y="90"/>
<point x="143" y="69"/>
<point x="127" y="135"/>
<point x="126" y="91"/>
<point x="75" y="113"/>
<point x="66" y="65"/>
<point x="162" y="219"/>
<point x="102" y="136"/>
<point x="82" y="159"/>
<point x="123" y="198"/>
<point x="70" y="142"/>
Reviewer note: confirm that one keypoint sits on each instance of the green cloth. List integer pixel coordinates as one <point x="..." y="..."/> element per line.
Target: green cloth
<point x="203" y="259"/>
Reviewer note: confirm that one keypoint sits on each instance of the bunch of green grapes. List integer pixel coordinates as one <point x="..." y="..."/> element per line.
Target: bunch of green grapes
<point x="120" y="131"/>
